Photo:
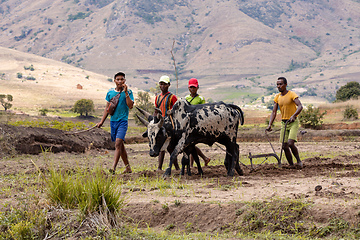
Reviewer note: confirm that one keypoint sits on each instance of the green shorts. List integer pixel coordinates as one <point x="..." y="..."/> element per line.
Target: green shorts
<point x="290" y="132"/>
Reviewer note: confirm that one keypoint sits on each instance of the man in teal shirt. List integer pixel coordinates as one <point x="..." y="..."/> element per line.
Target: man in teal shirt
<point x="193" y="98"/>
<point x="119" y="120"/>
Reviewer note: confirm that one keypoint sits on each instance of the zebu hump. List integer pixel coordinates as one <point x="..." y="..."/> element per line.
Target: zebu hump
<point x="240" y="112"/>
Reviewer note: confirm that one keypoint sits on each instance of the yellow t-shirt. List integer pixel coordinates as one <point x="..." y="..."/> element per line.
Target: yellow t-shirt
<point x="286" y="103"/>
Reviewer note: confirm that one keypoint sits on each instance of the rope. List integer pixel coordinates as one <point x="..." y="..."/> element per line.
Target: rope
<point x="81" y="131"/>
<point x="230" y="154"/>
<point x="172" y="122"/>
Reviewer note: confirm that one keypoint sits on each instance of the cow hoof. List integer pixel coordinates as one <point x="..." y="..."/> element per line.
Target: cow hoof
<point x="231" y="174"/>
<point x="167" y="173"/>
<point x="240" y="172"/>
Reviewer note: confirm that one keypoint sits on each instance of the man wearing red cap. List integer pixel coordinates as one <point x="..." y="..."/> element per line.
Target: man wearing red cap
<point x="193" y="98"/>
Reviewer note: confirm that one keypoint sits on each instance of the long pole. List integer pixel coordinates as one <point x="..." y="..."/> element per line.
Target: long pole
<point x="176" y="74"/>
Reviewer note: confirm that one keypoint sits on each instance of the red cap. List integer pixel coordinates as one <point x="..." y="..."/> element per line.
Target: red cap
<point x="193" y="82"/>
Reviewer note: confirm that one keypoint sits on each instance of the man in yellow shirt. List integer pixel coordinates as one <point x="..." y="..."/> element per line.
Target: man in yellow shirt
<point x="290" y="108"/>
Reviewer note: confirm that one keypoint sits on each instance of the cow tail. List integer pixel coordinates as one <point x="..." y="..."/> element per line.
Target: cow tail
<point x="240" y="111"/>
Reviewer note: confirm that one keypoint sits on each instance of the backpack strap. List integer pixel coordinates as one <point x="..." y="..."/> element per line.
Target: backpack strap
<point x="194" y="97"/>
<point x="162" y="99"/>
<point x="168" y="103"/>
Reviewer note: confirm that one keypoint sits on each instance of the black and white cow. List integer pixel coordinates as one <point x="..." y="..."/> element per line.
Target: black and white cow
<point x="186" y="125"/>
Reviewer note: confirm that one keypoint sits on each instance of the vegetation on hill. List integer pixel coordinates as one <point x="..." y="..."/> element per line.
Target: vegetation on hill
<point x="349" y="91"/>
<point x="83" y="106"/>
<point x="246" y="44"/>
<point x="5" y="100"/>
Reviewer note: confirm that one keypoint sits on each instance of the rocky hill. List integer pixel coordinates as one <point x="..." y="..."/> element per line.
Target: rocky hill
<point x="236" y="48"/>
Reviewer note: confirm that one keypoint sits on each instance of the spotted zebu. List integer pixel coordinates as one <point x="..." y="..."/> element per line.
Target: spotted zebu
<point x="186" y="125"/>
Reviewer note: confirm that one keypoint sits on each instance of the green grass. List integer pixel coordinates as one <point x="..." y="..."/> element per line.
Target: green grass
<point x="61" y="125"/>
<point x="91" y="191"/>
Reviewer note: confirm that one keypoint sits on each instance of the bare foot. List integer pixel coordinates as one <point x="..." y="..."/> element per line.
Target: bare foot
<point x="127" y="169"/>
<point x="207" y="160"/>
<point x="299" y="165"/>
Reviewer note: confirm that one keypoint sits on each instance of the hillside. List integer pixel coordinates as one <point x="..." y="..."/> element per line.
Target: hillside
<point x="236" y="48"/>
<point x="53" y="85"/>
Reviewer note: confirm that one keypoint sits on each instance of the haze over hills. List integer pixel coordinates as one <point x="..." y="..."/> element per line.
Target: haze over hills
<point x="236" y="48"/>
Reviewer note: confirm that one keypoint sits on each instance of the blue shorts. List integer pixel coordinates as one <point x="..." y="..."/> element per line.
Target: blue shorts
<point x="118" y="129"/>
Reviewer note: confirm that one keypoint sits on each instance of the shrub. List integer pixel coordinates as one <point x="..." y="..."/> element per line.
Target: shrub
<point x="79" y="15"/>
<point x="5" y="101"/>
<point x="19" y="75"/>
<point x="30" y="78"/>
<point x="311" y="117"/>
<point x="143" y="102"/>
<point x="31" y="68"/>
<point x="43" y="111"/>
<point x="270" y="104"/>
<point x="351" y="113"/>
<point x="83" y="106"/>
<point x="348" y="91"/>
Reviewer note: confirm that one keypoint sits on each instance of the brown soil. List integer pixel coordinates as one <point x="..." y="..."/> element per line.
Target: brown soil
<point x="213" y="205"/>
<point x="33" y="140"/>
<point x="209" y="202"/>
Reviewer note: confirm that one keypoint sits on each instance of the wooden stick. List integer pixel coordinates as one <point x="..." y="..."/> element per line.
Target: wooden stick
<point x="81" y="130"/>
<point x="176" y="74"/>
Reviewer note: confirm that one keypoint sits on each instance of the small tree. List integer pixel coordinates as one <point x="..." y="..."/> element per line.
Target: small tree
<point x="155" y="90"/>
<point x="270" y="104"/>
<point x="311" y="117"/>
<point x="348" y="91"/>
<point x="350" y="113"/>
<point x="143" y="102"/>
<point x="5" y="101"/>
<point x="43" y="111"/>
<point x="83" y="106"/>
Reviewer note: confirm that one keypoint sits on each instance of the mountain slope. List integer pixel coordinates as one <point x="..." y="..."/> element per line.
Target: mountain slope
<point x="236" y="48"/>
<point x="52" y="84"/>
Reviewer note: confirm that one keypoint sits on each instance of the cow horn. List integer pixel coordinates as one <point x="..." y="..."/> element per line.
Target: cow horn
<point x="160" y="117"/>
<point x="143" y="120"/>
<point x="161" y="122"/>
<point x="157" y="110"/>
<point x="145" y="113"/>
